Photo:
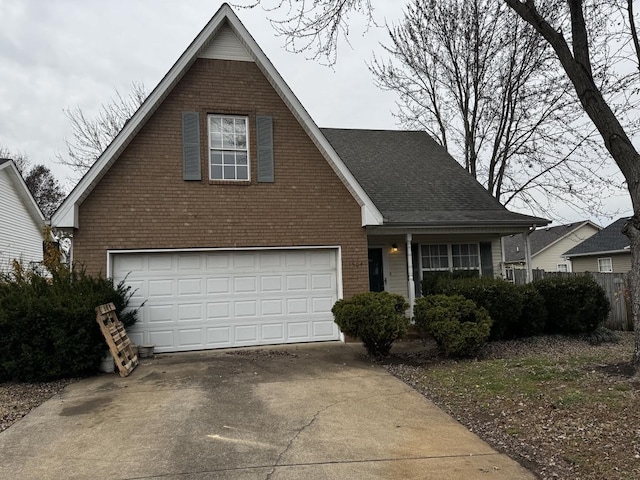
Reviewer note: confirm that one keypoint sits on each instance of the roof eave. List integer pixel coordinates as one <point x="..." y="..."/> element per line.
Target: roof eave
<point x="602" y="252"/>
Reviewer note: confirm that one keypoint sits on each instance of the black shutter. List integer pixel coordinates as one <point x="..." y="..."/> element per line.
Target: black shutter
<point x="264" y="132"/>
<point x="191" y="168"/>
<point x="486" y="259"/>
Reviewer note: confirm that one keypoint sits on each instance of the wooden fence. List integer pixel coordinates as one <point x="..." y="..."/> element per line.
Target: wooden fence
<point x="616" y="286"/>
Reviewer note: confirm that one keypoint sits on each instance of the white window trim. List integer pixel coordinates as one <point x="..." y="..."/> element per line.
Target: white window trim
<point x="246" y="119"/>
<point x="600" y="270"/>
<point x="565" y="265"/>
<point x="450" y="258"/>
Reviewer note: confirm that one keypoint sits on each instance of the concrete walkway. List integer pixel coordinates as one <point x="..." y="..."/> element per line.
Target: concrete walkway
<point x="318" y="411"/>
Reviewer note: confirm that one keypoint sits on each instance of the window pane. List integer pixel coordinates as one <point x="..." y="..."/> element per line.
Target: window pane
<point x="215" y="124"/>
<point x="243" y="173"/>
<point x="241" y="158"/>
<point x="227" y="125"/>
<point x="216" y="158"/>
<point x="241" y="125"/>
<point x="216" y="172"/>
<point x="241" y="142"/>
<point x="228" y="140"/>
<point x="229" y="173"/>
<point x="229" y="158"/>
<point x="216" y="140"/>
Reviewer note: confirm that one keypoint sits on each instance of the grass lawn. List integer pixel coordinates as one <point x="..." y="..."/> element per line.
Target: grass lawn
<point x="562" y="407"/>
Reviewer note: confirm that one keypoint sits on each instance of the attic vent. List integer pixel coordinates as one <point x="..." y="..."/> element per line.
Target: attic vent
<point x="226" y="46"/>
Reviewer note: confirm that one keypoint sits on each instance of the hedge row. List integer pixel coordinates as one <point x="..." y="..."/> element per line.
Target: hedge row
<point x="48" y="322"/>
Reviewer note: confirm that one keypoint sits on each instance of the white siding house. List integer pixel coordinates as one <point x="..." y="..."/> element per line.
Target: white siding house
<point x="21" y="221"/>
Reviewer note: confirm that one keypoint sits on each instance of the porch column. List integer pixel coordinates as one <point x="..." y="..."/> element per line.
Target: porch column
<point x="411" y="283"/>
<point x="527" y="255"/>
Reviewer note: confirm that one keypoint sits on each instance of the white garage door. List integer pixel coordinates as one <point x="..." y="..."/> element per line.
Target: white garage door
<point x="218" y="299"/>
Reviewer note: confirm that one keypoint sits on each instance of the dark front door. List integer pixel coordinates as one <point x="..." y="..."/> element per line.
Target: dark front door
<point x="376" y="273"/>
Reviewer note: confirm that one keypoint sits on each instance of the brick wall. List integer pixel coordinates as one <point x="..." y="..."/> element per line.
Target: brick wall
<point x="142" y="201"/>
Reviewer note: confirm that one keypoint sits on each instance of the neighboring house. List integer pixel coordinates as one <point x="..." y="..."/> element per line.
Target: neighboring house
<point x="606" y="251"/>
<point x="548" y="245"/>
<point x="21" y="221"/>
<point x="239" y="222"/>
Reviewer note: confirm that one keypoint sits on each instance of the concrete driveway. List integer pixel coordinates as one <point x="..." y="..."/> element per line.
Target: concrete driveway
<point x="317" y="411"/>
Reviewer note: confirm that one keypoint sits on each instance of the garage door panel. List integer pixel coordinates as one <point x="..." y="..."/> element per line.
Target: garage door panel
<point x="159" y="313"/>
<point x="197" y="300"/>
<point x="191" y="337"/>
<point x="245" y="334"/>
<point x="244" y="285"/>
<point x="219" y="310"/>
<point x="160" y="288"/>
<point x="296" y="282"/>
<point x="190" y="312"/>
<point x="218" y="285"/>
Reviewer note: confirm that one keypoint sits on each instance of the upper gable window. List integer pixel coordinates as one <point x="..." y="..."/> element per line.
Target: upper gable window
<point x="228" y="148"/>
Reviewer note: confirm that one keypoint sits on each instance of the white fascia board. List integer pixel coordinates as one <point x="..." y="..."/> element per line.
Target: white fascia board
<point x="370" y="213"/>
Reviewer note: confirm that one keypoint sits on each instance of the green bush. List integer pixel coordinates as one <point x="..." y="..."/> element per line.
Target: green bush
<point x="48" y="322"/>
<point x="503" y="301"/>
<point x="575" y="305"/>
<point x="431" y="280"/>
<point x="377" y="318"/>
<point x="457" y="324"/>
<point x="533" y="317"/>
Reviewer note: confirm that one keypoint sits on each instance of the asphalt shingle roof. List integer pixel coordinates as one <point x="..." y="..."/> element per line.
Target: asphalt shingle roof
<point x="609" y="239"/>
<point x="539" y="239"/>
<point x="413" y="180"/>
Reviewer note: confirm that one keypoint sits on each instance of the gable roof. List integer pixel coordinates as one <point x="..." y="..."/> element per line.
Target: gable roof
<point x="223" y="20"/>
<point x="413" y="181"/>
<point x="608" y="240"/>
<point x="7" y="165"/>
<point x="540" y="239"/>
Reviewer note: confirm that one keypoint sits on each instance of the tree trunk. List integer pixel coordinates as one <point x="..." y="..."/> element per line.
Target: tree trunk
<point x="632" y="230"/>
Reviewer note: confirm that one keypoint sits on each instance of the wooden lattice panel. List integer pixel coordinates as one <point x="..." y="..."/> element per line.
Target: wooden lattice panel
<point x="117" y="339"/>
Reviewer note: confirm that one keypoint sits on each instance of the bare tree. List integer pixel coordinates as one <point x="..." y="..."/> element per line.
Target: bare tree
<point x="19" y="158"/>
<point x="92" y="135"/>
<point x="487" y="88"/>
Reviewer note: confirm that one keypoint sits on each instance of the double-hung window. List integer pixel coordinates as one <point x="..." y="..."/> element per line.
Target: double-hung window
<point x="228" y="148"/>
<point x="449" y="257"/>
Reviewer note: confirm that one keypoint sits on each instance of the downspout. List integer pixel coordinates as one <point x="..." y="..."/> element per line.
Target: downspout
<point x="527" y="254"/>
<point x="411" y="283"/>
<point x="503" y="266"/>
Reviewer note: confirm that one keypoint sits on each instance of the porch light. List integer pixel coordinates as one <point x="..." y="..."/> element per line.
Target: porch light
<point x="394" y="248"/>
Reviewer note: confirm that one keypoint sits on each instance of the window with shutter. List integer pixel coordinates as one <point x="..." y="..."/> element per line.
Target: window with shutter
<point x="228" y="148"/>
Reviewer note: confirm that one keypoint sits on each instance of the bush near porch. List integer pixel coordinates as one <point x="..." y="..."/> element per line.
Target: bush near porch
<point x="570" y="305"/>
<point x="48" y="322"/>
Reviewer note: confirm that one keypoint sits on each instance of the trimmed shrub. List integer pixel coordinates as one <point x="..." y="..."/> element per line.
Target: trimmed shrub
<point x="503" y="301"/>
<point x="48" y="322"/>
<point x="575" y="305"/>
<point x="533" y="317"/>
<point x="457" y="324"/>
<point x="377" y="318"/>
<point x="431" y="280"/>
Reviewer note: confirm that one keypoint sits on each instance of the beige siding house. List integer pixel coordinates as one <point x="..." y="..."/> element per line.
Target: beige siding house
<point x="607" y="251"/>
<point x="548" y="246"/>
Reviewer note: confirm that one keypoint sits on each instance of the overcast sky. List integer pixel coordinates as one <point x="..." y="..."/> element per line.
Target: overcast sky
<point x="56" y="54"/>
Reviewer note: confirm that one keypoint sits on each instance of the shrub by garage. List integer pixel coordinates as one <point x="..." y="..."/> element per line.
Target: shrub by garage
<point x="376" y="318"/>
<point x="48" y="322"/>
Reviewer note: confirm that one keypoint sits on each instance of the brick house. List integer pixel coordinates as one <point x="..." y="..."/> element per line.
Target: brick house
<point x="239" y="222"/>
